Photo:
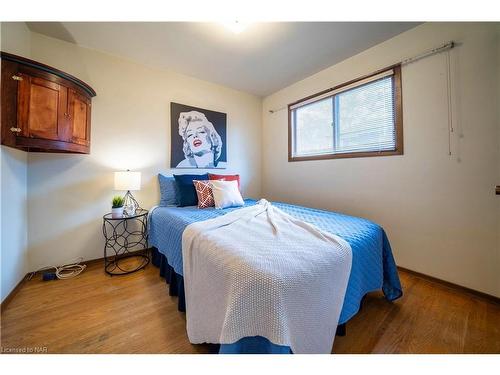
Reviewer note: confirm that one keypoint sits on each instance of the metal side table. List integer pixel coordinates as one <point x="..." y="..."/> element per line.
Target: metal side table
<point x="126" y="237"/>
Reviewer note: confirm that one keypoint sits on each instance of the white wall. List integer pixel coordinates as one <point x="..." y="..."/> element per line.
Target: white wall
<point x="68" y="194"/>
<point x="440" y="212"/>
<point x="15" y="38"/>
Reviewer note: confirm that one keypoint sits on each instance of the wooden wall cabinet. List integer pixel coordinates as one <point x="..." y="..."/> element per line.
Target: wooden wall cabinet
<point x="43" y="109"/>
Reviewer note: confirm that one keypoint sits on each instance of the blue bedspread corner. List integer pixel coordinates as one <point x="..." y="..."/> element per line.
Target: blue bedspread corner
<point x="392" y="285"/>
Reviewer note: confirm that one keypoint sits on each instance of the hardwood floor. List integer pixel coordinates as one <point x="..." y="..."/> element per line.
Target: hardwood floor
<point x="96" y="313"/>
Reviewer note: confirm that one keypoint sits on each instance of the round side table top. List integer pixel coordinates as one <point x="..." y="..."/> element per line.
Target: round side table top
<point x="138" y="213"/>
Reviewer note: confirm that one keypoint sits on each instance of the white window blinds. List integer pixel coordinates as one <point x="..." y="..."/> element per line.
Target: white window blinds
<point x="359" y="117"/>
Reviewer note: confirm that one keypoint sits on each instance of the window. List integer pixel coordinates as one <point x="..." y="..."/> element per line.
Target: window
<point x="356" y="119"/>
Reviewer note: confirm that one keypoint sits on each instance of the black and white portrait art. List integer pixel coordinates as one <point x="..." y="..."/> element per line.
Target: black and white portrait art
<point x="198" y="137"/>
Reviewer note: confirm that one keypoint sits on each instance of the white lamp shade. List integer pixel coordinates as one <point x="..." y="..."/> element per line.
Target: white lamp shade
<point x="127" y="180"/>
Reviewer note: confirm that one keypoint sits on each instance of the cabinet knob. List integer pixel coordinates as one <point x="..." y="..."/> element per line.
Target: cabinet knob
<point x="15" y="130"/>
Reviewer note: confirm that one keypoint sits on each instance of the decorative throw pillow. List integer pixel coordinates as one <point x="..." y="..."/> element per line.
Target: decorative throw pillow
<point x="226" y="194"/>
<point x="204" y="193"/>
<point x="224" y="177"/>
<point x="185" y="187"/>
<point x="168" y="191"/>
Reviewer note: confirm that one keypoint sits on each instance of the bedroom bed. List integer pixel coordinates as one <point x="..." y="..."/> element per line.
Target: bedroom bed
<point x="373" y="267"/>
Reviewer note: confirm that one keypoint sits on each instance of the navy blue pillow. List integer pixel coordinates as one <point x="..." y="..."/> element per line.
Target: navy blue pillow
<point x="168" y="191"/>
<point x="186" y="189"/>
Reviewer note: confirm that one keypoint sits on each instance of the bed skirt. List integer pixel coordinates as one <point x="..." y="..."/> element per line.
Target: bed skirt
<point x="247" y="345"/>
<point x="174" y="281"/>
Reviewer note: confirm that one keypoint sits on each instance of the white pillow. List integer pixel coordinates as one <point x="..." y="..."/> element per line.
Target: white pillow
<point x="226" y="194"/>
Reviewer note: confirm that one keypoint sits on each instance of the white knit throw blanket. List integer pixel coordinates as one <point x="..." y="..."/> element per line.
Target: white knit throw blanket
<point x="258" y="271"/>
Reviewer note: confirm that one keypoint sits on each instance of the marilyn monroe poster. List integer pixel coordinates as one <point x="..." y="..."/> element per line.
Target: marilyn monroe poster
<point x="198" y="137"/>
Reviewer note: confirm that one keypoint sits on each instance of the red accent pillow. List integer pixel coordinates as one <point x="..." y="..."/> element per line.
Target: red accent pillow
<point x="204" y="193"/>
<point x="224" y="177"/>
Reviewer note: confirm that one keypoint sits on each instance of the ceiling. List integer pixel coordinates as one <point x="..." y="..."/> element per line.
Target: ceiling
<point x="262" y="59"/>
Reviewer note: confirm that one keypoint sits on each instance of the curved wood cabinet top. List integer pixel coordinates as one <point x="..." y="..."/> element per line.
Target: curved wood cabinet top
<point x="43" y="108"/>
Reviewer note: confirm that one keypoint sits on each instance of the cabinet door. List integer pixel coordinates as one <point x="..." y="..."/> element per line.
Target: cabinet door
<point x="79" y="117"/>
<point x="41" y="108"/>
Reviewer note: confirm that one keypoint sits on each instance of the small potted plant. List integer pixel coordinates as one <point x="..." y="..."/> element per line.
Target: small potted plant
<point x="117" y="209"/>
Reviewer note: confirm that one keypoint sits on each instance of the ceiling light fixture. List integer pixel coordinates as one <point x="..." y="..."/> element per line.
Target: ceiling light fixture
<point x="236" y="27"/>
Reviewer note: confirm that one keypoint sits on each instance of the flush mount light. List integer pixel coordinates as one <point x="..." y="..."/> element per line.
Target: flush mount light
<point x="236" y="27"/>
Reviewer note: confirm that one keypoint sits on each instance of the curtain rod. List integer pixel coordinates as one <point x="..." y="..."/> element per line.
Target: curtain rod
<point x="444" y="47"/>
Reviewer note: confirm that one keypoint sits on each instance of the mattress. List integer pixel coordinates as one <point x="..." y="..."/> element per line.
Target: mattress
<point x="373" y="266"/>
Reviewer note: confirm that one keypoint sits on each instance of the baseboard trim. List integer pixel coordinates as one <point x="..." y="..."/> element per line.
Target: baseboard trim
<point x="98" y="260"/>
<point x="12" y="293"/>
<point x="450" y="285"/>
<point x="93" y="261"/>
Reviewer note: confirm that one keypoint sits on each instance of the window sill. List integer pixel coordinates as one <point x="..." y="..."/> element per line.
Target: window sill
<point x="345" y="155"/>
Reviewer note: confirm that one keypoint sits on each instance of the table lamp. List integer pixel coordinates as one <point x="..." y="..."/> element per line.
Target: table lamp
<point x="128" y="181"/>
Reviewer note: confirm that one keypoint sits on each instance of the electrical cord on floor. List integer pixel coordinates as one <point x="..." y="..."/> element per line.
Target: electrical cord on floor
<point x="66" y="271"/>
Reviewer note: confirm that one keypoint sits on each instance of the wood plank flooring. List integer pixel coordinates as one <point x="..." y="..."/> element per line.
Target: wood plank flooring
<point x="96" y="313"/>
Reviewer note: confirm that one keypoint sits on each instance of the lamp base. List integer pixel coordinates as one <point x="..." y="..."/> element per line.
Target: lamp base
<point x="130" y="205"/>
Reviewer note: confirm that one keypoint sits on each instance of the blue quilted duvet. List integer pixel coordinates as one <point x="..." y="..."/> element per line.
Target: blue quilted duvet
<point x="373" y="266"/>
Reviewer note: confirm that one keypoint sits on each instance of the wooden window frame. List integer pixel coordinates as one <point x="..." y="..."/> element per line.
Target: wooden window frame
<point x="398" y="120"/>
